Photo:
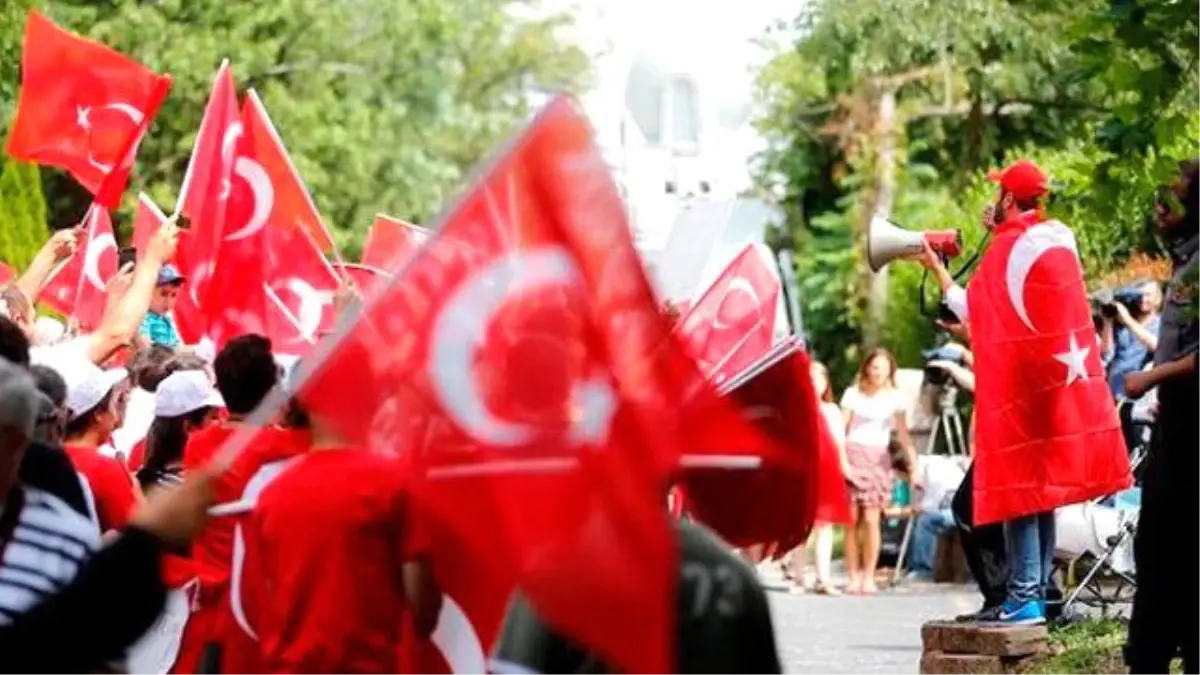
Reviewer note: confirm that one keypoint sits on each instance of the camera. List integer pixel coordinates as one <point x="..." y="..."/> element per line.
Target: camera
<point x="936" y="376"/>
<point x="1104" y="301"/>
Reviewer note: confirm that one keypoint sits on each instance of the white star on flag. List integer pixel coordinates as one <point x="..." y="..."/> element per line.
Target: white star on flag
<point x="1075" y="359"/>
<point x="81" y="117"/>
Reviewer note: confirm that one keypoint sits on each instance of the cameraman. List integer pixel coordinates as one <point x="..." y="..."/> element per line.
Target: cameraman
<point x="1130" y="345"/>
<point x="961" y="372"/>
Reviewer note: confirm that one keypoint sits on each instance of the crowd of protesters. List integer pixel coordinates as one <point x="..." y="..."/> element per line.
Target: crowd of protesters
<point x="110" y="472"/>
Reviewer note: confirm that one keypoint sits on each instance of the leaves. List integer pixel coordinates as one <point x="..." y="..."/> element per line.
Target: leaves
<point x="383" y="104"/>
<point x="1101" y="93"/>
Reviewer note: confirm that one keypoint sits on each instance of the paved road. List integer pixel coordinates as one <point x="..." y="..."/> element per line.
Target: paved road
<point x="872" y="634"/>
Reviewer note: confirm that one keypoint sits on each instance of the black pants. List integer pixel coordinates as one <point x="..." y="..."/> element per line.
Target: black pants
<point x="983" y="546"/>
<point x="1166" y="621"/>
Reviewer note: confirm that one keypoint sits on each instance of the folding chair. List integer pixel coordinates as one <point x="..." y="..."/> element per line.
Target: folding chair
<point x="1111" y="577"/>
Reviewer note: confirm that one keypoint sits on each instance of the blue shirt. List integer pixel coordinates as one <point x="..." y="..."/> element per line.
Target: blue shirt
<point x="1129" y="355"/>
<point x="160" y="329"/>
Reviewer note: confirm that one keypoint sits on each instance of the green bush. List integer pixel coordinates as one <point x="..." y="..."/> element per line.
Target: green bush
<point x="22" y="213"/>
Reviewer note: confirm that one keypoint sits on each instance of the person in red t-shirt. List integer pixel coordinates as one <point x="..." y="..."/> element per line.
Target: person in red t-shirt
<point x="245" y="372"/>
<point x="96" y="404"/>
<point x="253" y="469"/>
<point x="340" y="559"/>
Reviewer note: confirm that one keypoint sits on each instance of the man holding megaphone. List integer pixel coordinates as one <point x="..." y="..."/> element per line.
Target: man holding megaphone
<point x="1047" y="432"/>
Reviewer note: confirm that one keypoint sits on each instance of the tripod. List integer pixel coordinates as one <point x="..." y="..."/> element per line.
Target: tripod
<point x="950" y="425"/>
<point x="948" y="422"/>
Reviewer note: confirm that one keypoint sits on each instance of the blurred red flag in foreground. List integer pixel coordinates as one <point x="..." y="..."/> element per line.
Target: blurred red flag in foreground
<point x="775" y="503"/>
<point x="732" y="324"/>
<point x="522" y="360"/>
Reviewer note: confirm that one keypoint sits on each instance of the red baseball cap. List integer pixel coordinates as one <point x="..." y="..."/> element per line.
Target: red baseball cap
<point x="1022" y="179"/>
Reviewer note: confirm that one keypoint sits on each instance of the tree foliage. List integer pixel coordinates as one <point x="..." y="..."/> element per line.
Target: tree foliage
<point x="22" y="213"/>
<point x="1101" y="93"/>
<point x="383" y="104"/>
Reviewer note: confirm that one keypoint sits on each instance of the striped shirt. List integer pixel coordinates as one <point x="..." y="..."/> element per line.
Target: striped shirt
<point x="42" y="550"/>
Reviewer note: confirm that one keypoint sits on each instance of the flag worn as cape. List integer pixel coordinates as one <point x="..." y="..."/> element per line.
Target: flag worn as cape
<point x="1047" y="432"/>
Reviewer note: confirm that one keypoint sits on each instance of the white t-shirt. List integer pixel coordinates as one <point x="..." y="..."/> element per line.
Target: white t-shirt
<point x="61" y="356"/>
<point x="872" y="418"/>
<point x="940" y="477"/>
<point x="139" y="413"/>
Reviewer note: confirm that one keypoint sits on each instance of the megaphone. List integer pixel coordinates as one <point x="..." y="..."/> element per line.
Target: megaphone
<point x="887" y="241"/>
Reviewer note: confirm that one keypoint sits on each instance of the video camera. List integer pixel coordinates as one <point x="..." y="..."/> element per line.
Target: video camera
<point x="1104" y="301"/>
<point x="936" y="376"/>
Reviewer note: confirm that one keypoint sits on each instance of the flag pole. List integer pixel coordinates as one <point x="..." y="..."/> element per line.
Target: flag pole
<point x="90" y="216"/>
<point x="287" y="313"/>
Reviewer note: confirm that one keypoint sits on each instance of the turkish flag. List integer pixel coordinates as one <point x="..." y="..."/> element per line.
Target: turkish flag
<point x="284" y="200"/>
<point x="264" y="194"/>
<point x="774" y="503"/>
<point x="389" y="242"/>
<point x="79" y="288"/>
<point x="7" y="273"/>
<point x="733" y="322"/>
<point x="207" y="185"/>
<point x="300" y="285"/>
<point x="1047" y="432"/>
<point x="83" y="107"/>
<point x="522" y="358"/>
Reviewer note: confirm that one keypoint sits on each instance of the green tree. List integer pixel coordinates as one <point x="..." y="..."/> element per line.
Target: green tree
<point x="973" y="83"/>
<point x="22" y="213"/>
<point x="383" y="104"/>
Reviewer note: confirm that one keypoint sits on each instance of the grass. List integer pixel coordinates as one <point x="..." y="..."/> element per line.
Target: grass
<point x="1091" y="646"/>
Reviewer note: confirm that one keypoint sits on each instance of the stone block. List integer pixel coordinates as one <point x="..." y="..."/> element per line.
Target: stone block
<point x="984" y="639"/>
<point x="941" y="663"/>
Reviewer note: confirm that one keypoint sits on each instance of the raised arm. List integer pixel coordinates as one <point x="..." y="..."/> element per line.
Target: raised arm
<point x="121" y="320"/>
<point x="59" y="247"/>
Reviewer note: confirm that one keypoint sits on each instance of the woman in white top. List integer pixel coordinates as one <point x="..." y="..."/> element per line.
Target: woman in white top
<point x="833" y="502"/>
<point x="873" y="409"/>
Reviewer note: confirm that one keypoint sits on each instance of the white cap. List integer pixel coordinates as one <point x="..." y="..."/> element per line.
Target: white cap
<point x="88" y="384"/>
<point x="48" y="330"/>
<point x="184" y="391"/>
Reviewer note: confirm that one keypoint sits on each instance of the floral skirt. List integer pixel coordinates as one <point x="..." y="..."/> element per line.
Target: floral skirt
<point x="871" y="475"/>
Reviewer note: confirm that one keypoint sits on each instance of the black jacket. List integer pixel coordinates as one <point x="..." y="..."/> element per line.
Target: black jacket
<point x="48" y="468"/>
<point x="111" y="603"/>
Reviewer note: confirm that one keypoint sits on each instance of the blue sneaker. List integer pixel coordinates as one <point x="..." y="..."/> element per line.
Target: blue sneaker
<point x="1025" y="614"/>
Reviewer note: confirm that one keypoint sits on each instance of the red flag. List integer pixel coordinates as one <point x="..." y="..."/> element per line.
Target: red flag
<point x="207" y="184"/>
<point x="300" y="285"/>
<point x="288" y="204"/>
<point x="83" y="108"/>
<point x="146" y="221"/>
<point x="522" y="357"/>
<point x="389" y="242"/>
<point x="775" y="503"/>
<point x="79" y="288"/>
<point x="236" y="300"/>
<point x="1047" y="431"/>
<point x="733" y="323"/>
<point x="7" y="273"/>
